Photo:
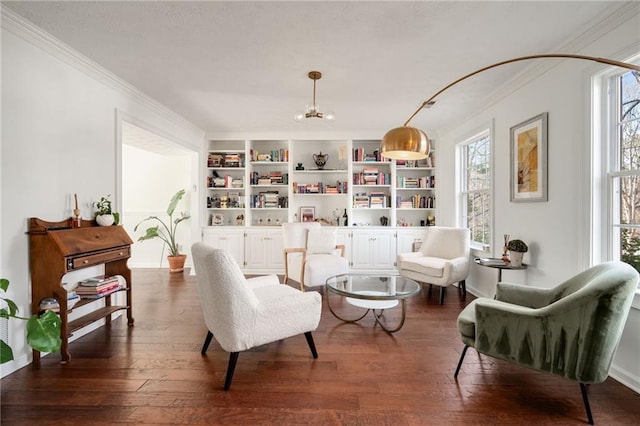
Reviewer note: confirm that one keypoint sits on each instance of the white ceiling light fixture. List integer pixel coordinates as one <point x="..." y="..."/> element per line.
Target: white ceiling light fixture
<point x="313" y="110"/>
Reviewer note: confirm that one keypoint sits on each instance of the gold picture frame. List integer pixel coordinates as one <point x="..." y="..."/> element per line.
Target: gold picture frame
<point x="529" y="160"/>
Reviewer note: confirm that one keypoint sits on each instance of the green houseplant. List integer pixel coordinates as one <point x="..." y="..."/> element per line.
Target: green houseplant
<point x="517" y="249"/>
<point x="105" y="216"/>
<point x="43" y="332"/>
<point x="166" y="231"/>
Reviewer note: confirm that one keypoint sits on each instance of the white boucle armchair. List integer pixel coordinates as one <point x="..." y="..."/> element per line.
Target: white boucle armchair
<point x="443" y="259"/>
<point x="244" y="313"/>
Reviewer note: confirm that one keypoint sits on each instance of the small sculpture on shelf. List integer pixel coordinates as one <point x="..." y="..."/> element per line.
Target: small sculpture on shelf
<point x="320" y="160"/>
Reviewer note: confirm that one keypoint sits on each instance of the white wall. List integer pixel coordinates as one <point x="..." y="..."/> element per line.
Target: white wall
<point x="151" y="180"/>
<point x="557" y="231"/>
<point x="58" y="138"/>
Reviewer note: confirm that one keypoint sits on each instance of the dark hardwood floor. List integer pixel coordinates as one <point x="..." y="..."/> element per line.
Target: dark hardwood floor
<point x="153" y="373"/>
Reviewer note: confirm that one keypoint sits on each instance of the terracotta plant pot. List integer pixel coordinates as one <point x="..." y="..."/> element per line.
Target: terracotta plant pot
<point x="176" y="263"/>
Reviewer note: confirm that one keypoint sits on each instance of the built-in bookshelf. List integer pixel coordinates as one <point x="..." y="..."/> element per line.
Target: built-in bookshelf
<point x="268" y="182"/>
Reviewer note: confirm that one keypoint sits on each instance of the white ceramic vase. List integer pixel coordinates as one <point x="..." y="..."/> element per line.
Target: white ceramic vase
<point x="105" y="219"/>
<point x="515" y="257"/>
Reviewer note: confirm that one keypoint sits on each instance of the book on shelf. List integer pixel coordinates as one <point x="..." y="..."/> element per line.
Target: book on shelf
<point x="99" y="280"/>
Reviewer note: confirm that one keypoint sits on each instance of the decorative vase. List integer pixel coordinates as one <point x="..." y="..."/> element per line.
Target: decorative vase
<point x="105" y="219"/>
<point x="516" y="257"/>
<point x="176" y="263"/>
<point x="320" y="160"/>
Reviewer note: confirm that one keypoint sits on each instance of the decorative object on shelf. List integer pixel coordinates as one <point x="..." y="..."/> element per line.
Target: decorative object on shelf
<point x="505" y="255"/>
<point x="517" y="249"/>
<point x="345" y="218"/>
<point x="320" y="160"/>
<point x="240" y="219"/>
<point x="167" y="233"/>
<point x="406" y="142"/>
<point x="307" y="214"/>
<point x="300" y="166"/>
<point x="313" y="110"/>
<point x="529" y="160"/>
<point x="105" y="216"/>
<point x="217" y="219"/>
<point x="384" y="221"/>
<point x="76" y="213"/>
<point x="43" y="332"/>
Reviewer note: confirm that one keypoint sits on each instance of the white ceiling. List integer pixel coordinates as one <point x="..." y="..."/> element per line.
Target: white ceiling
<point x="242" y="66"/>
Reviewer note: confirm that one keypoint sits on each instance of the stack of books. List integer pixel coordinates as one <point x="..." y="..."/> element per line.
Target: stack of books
<point x="96" y="287"/>
<point x="377" y="200"/>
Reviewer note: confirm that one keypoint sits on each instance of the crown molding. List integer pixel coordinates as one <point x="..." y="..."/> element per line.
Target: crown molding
<point x="41" y="39"/>
<point x="597" y="29"/>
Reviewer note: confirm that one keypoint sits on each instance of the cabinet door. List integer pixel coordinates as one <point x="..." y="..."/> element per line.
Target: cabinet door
<point x="383" y="250"/>
<point x="406" y="238"/>
<point x="361" y="249"/>
<point x="264" y="250"/>
<point x="231" y="240"/>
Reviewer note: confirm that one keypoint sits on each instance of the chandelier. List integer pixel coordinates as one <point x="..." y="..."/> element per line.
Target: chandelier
<point x="313" y="110"/>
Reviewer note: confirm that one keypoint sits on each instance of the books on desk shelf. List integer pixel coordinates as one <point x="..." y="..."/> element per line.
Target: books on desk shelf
<point x="96" y="287"/>
<point x="491" y="262"/>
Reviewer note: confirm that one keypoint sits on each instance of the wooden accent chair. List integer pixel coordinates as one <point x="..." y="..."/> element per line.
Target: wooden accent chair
<point x="311" y="254"/>
<point x="244" y="313"/>
<point x="571" y="330"/>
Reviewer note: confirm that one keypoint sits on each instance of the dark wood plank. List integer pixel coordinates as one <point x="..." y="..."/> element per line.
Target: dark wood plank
<point x="153" y="373"/>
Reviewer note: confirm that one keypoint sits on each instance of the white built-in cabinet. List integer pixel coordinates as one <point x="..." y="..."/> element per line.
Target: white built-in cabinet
<point x="373" y="249"/>
<point x="253" y="186"/>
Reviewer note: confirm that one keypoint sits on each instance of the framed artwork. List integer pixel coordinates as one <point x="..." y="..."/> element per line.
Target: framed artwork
<point x="307" y="214"/>
<point x="529" y="160"/>
<point x="217" y="219"/>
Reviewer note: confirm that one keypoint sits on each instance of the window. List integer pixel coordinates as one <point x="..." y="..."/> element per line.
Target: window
<point x="474" y="165"/>
<point x="623" y="171"/>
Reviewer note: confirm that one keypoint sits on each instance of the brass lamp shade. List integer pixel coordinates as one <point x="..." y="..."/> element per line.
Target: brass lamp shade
<point x="405" y="143"/>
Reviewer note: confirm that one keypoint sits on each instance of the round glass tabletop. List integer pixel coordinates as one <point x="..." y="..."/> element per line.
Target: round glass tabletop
<point x="373" y="287"/>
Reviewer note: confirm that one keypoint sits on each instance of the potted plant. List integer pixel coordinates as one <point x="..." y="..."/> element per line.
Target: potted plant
<point x="167" y="232"/>
<point x="105" y="216"/>
<point x="43" y="332"/>
<point x="517" y="249"/>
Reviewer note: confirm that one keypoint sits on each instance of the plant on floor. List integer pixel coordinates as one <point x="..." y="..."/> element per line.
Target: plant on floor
<point x="166" y="232"/>
<point x="43" y="332"/>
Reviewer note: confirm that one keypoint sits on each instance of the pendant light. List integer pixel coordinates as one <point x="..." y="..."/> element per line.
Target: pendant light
<point x="313" y="110"/>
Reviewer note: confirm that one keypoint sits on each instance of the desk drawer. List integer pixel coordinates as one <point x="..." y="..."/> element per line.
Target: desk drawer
<point x="98" y="258"/>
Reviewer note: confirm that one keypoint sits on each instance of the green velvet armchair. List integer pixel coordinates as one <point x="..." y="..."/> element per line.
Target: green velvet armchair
<point x="571" y="330"/>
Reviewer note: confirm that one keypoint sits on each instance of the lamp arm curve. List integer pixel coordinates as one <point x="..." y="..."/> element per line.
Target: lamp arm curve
<point x="429" y="101"/>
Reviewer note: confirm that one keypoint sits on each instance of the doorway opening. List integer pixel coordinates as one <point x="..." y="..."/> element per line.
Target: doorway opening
<point x="154" y="168"/>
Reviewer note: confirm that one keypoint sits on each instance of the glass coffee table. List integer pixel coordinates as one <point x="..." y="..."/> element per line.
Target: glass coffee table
<point x="374" y="293"/>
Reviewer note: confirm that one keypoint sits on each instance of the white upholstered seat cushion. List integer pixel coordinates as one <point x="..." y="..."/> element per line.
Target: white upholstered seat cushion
<point x="319" y="267"/>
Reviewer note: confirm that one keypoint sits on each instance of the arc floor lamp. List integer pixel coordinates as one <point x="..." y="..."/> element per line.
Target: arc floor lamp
<point x="410" y="143"/>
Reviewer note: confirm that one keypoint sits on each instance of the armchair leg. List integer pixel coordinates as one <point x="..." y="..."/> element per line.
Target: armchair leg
<point x="207" y="341"/>
<point x="442" y="291"/>
<point x="464" y="352"/>
<point x="462" y="286"/>
<point x="233" y="359"/>
<point x="311" y="344"/>
<point x="585" y="399"/>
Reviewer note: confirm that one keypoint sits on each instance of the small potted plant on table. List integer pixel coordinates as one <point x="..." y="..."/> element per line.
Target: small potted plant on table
<point x="167" y="233"/>
<point x="517" y="249"/>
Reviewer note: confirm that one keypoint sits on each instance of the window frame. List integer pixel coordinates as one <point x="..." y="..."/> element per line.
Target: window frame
<point x="606" y="171"/>
<point x="462" y="190"/>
